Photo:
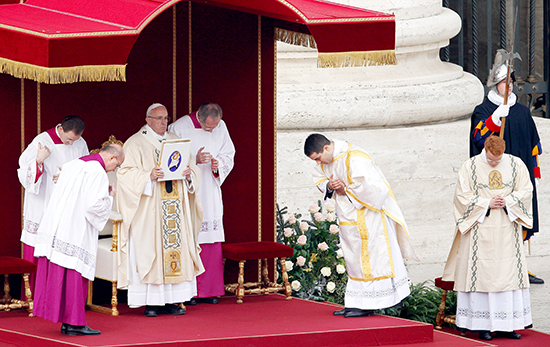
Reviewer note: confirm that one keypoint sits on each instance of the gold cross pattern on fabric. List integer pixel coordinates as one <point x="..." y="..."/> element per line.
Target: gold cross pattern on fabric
<point x="495" y="180"/>
<point x="172" y="264"/>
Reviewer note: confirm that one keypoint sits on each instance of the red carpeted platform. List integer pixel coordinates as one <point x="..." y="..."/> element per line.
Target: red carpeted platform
<point x="267" y="320"/>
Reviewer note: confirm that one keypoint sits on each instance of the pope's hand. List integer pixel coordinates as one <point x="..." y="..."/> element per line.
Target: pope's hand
<point x="112" y="190"/>
<point x="186" y="172"/>
<point x="42" y="154"/>
<point x="501" y="111"/>
<point x="156" y="173"/>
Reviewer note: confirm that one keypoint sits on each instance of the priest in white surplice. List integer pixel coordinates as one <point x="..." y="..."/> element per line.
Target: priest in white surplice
<point x="39" y="166"/>
<point x="215" y="153"/>
<point x="158" y="250"/>
<point x="487" y="263"/>
<point x="373" y="233"/>
<point x="66" y="241"/>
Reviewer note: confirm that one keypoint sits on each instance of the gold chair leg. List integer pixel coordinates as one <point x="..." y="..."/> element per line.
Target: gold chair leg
<point x="114" y="299"/>
<point x="288" y="288"/>
<point x="265" y="275"/>
<point x="7" y="297"/>
<point x="28" y="294"/>
<point x="240" y="288"/>
<point x="439" y="319"/>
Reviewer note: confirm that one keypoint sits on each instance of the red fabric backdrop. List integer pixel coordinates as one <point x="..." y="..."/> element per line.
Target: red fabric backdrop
<point x="225" y="70"/>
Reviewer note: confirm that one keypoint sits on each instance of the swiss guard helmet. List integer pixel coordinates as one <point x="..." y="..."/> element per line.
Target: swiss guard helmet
<point x="500" y="68"/>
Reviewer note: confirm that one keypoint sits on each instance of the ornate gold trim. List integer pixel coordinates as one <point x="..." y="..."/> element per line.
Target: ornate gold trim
<point x="174" y="63"/>
<point x="58" y="75"/>
<point x="295" y="38"/>
<point x="275" y="135"/>
<point x="38" y="110"/>
<point x="259" y="128"/>
<point x="350" y="59"/>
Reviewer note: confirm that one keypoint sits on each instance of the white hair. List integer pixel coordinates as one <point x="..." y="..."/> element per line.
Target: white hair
<point x="152" y="107"/>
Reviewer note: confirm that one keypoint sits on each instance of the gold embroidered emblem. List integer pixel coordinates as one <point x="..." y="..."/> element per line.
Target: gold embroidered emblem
<point x="172" y="238"/>
<point x="172" y="264"/>
<point x="169" y="195"/>
<point x="495" y="180"/>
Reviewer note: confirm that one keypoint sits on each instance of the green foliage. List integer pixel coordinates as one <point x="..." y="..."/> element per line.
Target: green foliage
<point x="422" y="304"/>
<point x="316" y="271"/>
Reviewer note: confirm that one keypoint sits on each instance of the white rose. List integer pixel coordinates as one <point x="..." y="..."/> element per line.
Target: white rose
<point x="340" y="268"/>
<point x="322" y="246"/>
<point x="289" y="265"/>
<point x="331" y="217"/>
<point x="302" y="240"/>
<point x="292" y="219"/>
<point x="331" y="286"/>
<point x="304" y="226"/>
<point x="296" y="285"/>
<point x="334" y="229"/>
<point x="329" y="206"/>
<point x="313" y="208"/>
<point x="288" y="232"/>
<point x="325" y="271"/>
<point x="339" y="253"/>
<point x="301" y="261"/>
<point x="318" y="216"/>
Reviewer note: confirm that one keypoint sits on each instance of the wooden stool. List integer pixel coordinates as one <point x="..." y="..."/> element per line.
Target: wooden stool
<point x="441" y="318"/>
<point x="264" y="250"/>
<point x="13" y="265"/>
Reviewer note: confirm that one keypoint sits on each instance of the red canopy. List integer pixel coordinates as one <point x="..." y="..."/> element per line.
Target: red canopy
<point x="68" y="41"/>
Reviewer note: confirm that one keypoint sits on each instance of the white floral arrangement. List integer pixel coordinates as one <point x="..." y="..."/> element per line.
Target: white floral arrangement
<point x="317" y="269"/>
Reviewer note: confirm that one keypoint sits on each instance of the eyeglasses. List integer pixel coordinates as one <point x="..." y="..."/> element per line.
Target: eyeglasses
<point x="160" y="119"/>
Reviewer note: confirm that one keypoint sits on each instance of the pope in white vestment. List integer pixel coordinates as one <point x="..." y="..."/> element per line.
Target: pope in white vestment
<point x="212" y="136"/>
<point x="37" y="174"/>
<point x="487" y="262"/>
<point x="373" y="232"/>
<point x="158" y="249"/>
<point x="67" y="239"/>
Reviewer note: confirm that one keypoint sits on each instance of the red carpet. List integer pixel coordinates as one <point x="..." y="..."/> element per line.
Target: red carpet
<point x="261" y="321"/>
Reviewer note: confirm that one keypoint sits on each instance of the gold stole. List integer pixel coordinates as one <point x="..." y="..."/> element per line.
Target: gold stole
<point x="171" y="231"/>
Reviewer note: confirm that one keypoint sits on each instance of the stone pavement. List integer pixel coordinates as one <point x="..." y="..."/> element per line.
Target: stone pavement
<point x="540" y="293"/>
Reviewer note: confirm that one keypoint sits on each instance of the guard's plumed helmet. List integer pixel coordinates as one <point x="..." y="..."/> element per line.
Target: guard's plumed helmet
<point x="500" y="67"/>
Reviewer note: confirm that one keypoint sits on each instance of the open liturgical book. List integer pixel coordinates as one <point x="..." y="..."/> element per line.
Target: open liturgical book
<point x="174" y="157"/>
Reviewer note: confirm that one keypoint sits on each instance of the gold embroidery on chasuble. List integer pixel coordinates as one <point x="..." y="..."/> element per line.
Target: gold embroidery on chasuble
<point x="495" y="180"/>
<point x="171" y="231"/>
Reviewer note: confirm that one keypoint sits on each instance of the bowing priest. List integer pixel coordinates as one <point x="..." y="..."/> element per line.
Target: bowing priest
<point x="492" y="203"/>
<point x="39" y="167"/>
<point x="215" y="154"/>
<point x="158" y="249"/>
<point x="373" y="232"/>
<point x="66" y="241"/>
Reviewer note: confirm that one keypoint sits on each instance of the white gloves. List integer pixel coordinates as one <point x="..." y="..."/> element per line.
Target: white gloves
<point x="501" y="111"/>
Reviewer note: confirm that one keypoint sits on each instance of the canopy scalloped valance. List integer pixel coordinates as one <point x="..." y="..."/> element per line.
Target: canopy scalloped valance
<point x="51" y="41"/>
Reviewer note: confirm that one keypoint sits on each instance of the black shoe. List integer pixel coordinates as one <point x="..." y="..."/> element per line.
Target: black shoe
<point x="73" y="330"/>
<point x="535" y="280"/>
<point x="509" y="335"/>
<point x="355" y="312"/>
<point x="171" y="309"/>
<point x="208" y="300"/>
<point x="151" y="311"/>
<point x="191" y="302"/>
<point x="485" y="335"/>
<point x="339" y="312"/>
<point x="64" y="328"/>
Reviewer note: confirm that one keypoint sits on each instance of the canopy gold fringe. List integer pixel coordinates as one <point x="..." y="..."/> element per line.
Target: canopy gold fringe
<point x="295" y="38"/>
<point x="351" y="59"/>
<point x="61" y="75"/>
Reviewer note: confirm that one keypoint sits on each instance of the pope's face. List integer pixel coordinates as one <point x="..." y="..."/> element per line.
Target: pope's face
<point x="158" y="121"/>
<point x="322" y="158"/>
